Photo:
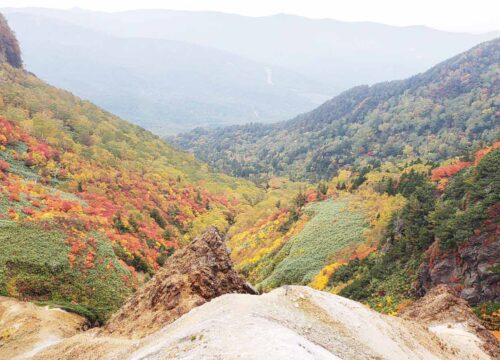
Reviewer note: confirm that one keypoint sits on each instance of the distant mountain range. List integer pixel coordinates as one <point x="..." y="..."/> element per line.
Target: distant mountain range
<point x="162" y="85"/>
<point x="170" y="71"/>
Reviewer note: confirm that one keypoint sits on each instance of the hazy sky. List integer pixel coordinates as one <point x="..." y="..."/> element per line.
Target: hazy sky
<point x="453" y="15"/>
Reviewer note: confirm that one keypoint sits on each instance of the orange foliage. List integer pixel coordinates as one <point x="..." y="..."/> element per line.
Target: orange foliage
<point x="114" y="200"/>
<point x="449" y="170"/>
<point x="481" y="153"/>
<point x="4" y="165"/>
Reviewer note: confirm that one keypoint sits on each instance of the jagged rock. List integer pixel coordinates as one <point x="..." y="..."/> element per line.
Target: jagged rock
<point x="468" y="269"/>
<point x="192" y="276"/>
<point x="9" y="47"/>
<point x="446" y="314"/>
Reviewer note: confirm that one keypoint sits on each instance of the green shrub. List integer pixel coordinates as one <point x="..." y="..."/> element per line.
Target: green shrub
<point x="332" y="228"/>
<point x="34" y="265"/>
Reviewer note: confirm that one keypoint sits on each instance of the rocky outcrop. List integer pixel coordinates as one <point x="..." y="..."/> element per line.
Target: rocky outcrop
<point x="9" y="47"/>
<point x="445" y="313"/>
<point x="293" y="323"/>
<point x="472" y="269"/>
<point x="192" y="276"/>
<point x="27" y="329"/>
<point x="189" y="310"/>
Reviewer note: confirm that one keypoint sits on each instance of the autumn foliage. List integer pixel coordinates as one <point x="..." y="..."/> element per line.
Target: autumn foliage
<point x="449" y="170"/>
<point x="145" y="216"/>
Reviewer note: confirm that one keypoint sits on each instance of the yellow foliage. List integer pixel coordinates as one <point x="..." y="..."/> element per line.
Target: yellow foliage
<point x="321" y="279"/>
<point x="378" y="209"/>
<point x="341" y="179"/>
<point x="419" y="168"/>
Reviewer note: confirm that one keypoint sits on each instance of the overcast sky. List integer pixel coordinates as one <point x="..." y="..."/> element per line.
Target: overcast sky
<point x="453" y="15"/>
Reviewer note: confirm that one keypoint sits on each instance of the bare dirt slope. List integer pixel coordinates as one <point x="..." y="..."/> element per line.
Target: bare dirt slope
<point x="26" y="329"/>
<point x="287" y="323"/>
<point x="451" y="318"/>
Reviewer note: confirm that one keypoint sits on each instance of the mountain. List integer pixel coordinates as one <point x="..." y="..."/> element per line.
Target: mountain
<point x="102" y="218"/>
<point x="337" y="54"/>
<point x="434" y="115"/>
<point x="10" y="51"/>
<point x="305" y="324"/>
<point x="162" y="85"/>
<point x="406" y="203"/>
<point x="92" y="206"/>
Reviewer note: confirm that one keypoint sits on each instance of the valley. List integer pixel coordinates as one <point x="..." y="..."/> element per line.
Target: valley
<point x="377" y="212"/>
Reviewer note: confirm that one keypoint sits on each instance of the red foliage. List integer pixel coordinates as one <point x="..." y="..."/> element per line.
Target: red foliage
<point x="14" y="197"/>
<point x="481" y="153"/>
<point x="117" y="201"/>
<point x="28" y="211"/>
<point x="447" y="171"/>
<point x="4" y="165"/>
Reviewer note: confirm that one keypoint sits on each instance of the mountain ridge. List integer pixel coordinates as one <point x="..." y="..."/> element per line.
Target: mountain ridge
<point x="163" y="85"/>
<point x="342" y="55"/>
<point x="344" y="130"/>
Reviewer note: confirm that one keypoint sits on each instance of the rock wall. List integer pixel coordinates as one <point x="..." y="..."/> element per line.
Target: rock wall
<point x="472" y="269"/>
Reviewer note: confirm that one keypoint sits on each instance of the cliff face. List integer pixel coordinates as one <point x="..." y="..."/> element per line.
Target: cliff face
<point x="9" y="47"/>
<point x="470" y="269"/>
<point x="191" y="277"/>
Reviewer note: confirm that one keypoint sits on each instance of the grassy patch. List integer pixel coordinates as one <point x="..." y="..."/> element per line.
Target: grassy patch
<point x="331" y="229"/>
<point x="34" y="266"/>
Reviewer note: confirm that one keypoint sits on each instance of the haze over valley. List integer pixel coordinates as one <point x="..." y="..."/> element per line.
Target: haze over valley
<point x="172" y="71"/>
<point x="206" y="185"/>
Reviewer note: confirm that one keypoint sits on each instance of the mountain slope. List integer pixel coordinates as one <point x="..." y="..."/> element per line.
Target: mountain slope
<point x="10" y="51"/>
<point x="335" y="53"/>
<point x="187" y="311"/>
<point x="164" y="86"/>
<point x="435" y="115"/>
<point x="91" y="206"/>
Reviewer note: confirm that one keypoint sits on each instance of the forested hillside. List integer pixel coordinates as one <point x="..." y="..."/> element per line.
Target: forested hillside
<point x="90" y="205"/>
<point x="444" y="112"/>
<point x="9" y="47"/>
<point x="387" y="235"/>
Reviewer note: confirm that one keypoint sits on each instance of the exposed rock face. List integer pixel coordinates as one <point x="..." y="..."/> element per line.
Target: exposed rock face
<point x="292" y="323"/>
<point x="444" y="312"/>
<point x="26" y="329"/>
<point x="9" y="47"/>
<point x="469" y="269"/>
<point x="192" y="276"/>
